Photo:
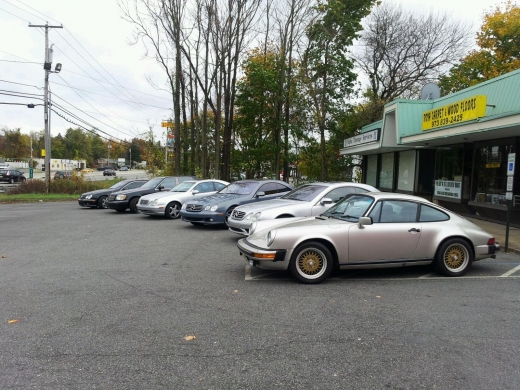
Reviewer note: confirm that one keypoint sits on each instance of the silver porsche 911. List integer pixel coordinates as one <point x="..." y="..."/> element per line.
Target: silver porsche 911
<point x="368" y="230"/>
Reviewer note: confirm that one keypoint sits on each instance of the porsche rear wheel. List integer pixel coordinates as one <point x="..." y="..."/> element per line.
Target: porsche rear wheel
<point x="453" y="257"/>
<point x="311" y="263"/>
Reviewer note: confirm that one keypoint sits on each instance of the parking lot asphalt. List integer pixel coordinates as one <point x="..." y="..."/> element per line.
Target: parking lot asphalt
<point x="97" y="299"/>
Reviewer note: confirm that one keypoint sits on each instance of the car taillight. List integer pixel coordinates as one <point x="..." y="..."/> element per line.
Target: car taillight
<point x="491" y="241"/>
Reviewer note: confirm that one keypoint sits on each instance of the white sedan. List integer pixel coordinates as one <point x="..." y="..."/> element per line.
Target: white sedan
<point x="304" y="201"/>
<point x="168" y="204"/>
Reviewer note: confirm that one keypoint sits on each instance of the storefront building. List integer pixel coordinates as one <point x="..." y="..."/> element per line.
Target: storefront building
<point x="459" y="150"/>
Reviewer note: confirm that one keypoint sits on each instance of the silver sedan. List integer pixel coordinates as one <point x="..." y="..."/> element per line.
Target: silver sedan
<point x="304" y="201"/>
<point x="367" y="231"/>
<point x="169" y="203"/>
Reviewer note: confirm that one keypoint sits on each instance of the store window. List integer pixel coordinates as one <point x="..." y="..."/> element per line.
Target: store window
<point x="406" y="171"/>
<point x="491" y="171"/>
<point x="386" y="175"/>
<point x="449" y="164"/>
<point x="372" y="170"/>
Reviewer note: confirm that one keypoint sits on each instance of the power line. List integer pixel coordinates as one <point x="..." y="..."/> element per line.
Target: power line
<point x="23" y="62"/>
<point x="30" y="13"/>
<point x="16" y="16"/>
<point x="27" y="85"/>
<point x="28" y="6"/>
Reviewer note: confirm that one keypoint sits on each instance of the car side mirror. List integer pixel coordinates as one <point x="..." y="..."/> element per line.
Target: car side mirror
<point x="325" y="201"/>
<point x="364" y="221"/>
<point x="259" y="194"/>
<point x="195" y="192"/>
<point x="160" y="188"/>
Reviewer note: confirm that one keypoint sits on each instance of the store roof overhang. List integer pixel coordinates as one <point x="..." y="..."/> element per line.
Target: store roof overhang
<point x="479" y="130"/>
<point x="367" y="149"/>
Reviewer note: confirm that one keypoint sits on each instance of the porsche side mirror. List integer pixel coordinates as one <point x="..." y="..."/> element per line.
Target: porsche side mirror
<point x="364" y="221"/>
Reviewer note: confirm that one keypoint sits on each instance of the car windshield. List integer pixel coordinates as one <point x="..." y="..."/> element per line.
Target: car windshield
<point x="350" y="208"/>
<point x="183" y="187"/>
<point x="240" y="188"/>
<point x="118" y="185"/>
<point x="305" y="193"/>
<point x="152" y="183"/>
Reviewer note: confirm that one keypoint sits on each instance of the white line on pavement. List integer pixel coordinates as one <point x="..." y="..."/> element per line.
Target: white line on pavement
<point x="510" y="272"/>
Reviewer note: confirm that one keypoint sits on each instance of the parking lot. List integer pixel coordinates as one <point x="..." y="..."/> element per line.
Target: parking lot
<point x="97" y="299"/>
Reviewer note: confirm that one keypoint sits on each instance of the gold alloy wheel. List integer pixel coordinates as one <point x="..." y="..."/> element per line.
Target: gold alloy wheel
<point x="455" y="257"/>
<point x="311" y="262"/>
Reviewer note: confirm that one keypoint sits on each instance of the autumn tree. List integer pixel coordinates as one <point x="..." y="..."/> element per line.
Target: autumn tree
<point x="498" y="52"/>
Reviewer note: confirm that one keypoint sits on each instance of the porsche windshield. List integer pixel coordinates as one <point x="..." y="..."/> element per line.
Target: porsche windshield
<point x="240" y="188"/>
<point x="350" y="208"/>
<point x="304" y="193"/>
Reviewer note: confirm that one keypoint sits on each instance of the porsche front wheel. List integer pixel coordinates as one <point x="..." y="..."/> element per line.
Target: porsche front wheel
<point x="311" y="263"/>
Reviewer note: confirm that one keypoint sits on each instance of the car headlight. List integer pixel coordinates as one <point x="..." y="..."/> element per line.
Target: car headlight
<point x="120" y="197"/>
<point x="183" y="206"/>
<point x="213" y="208"/>
<point x="256" y="217"/>
<point x="153" y="203"/>
<point x="88" y="196"/>
<point x="270" y="237"/>
<point x="248" y="216"/>
<point x="252" y="228"/>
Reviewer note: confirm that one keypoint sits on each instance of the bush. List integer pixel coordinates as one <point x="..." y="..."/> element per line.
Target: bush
<point x="76" y="185"/>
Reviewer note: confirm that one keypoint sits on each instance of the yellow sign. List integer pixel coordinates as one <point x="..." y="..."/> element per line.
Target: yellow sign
<point x="43" y="153"/>
<point x="451" y="114"/>
<point x="493" y="165"/>
<point x="166" y="124"/>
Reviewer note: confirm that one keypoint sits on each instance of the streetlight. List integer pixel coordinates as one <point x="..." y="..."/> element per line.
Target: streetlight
<point x="108" y="155"/>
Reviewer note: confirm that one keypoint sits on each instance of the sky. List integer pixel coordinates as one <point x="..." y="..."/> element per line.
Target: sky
<point x="103" y="78"/>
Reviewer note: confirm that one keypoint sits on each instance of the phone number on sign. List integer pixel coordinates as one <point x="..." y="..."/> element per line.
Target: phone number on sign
<point x="447" y="120"/>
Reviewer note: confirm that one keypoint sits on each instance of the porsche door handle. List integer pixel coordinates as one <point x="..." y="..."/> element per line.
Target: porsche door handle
<point x="414" y="230"/>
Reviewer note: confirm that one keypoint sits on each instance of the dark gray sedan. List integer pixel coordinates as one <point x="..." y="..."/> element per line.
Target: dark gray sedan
<point x="216" y="209"/>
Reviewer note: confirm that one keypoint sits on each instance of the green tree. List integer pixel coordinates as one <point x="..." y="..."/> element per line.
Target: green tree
<point x="14" y="144"/>
<point x="498" y="53"/>
<point x="328" y="71"/>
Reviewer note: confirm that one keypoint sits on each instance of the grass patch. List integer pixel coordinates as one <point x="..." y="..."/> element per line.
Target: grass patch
<point x="29" y="198"/>
<point x="61" y="190"/>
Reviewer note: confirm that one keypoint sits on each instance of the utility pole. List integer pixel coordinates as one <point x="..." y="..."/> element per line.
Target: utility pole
<point x="130" y="156"/>
<point x="47" y="66"/>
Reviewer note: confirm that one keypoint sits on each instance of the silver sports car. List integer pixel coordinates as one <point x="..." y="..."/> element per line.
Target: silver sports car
<point x="304" y="201"/>
<point x="375" y="229"/>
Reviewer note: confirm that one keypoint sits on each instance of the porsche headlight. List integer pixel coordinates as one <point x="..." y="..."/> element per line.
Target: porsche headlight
<point x="120" y="197"/>
<point x="270" y="237"/>
<point x="88" y="196"/>
<point x="214" y="208"/>
<point x="256" y="217"/>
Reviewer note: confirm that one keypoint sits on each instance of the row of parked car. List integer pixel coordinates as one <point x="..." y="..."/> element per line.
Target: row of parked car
<point x="312" y="229"/>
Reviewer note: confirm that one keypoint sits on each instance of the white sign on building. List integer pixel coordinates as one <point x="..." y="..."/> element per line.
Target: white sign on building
<point x="448" y="188"/>
<point x="363" y="138"/>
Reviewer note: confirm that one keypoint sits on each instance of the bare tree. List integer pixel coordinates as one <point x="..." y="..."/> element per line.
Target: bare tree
<point x="401" y="50"/>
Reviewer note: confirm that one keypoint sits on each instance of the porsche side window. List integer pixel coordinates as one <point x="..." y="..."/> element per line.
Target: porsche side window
<point x="430" y="214"/>
<point x="395" y="212"/>
<point x="375" y="214"/>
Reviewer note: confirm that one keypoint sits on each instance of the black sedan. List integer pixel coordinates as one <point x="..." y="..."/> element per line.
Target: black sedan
<point x="99" y="198"/>
<point x="215" y="209"/>
<point x="109" y="172"/>
<point x="11" y="175"/>
<point x="122" y="200"/>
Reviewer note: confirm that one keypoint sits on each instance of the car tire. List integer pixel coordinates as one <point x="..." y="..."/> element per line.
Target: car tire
<point x="311" y="263"/>
<point x="173" y="210"/>
<point x="133" y="205"/>
<point x="228" y="214"/>
<point x="454" y="257"/>
<point x="102" y="202"/>
<point x="23" y="179"/>
<point x="120" y="211"/>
